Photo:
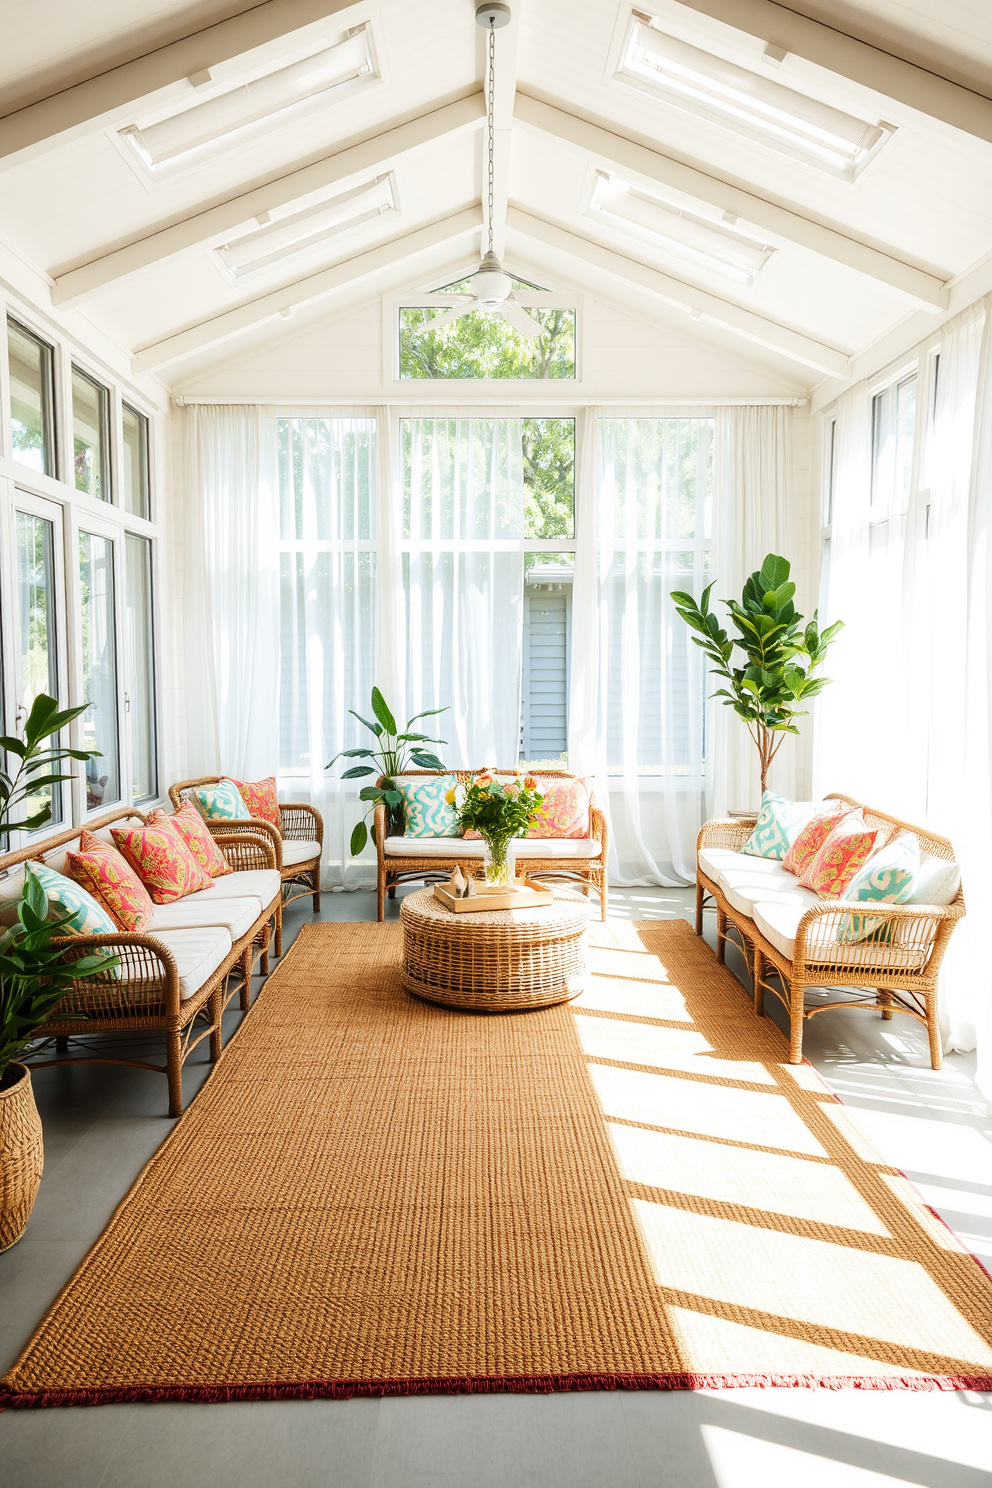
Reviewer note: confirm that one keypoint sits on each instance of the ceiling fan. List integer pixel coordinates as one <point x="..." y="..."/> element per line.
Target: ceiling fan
<point x="490" y="289"/>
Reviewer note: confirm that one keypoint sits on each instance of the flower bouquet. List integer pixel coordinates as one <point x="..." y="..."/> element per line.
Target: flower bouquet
<point x="498" y="811"/>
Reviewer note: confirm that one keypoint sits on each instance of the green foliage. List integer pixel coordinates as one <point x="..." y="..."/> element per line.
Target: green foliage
<point x="499" y="811"/>
<point x="780" y="654"/>
<point x="548" y="448"/>
<point x="396" y="750"/>
<point x="486" y="346"/>
<point x="34" y="971"/>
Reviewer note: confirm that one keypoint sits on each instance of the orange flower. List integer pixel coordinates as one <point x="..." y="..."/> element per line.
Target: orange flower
<point x="511" y="789"/>
<point x="530" y="783"/>
<point x="484" y="779"/>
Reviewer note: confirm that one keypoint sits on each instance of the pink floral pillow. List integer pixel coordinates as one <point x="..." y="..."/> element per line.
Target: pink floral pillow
<point x="812" y="837"/>
<point x="194" y="831"/>
<point x="564" y="812"/>
<point x="261" y="799"/>
<point x="161" y="860"/>
<point x="102" y="871"/>
<point x="842" y="856"/>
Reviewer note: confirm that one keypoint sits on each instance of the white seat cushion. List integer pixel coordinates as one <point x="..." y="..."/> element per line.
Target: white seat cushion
<point x="743" y="890"/>
<point x="263" y="884"/>
<point x="298" y="852"/>
<point x="236" y="916"/>
<point x="778" y="923"/>
<point x="474" y="847"/>
<point x="716" y="860"/>
<point x="198" y="954"/>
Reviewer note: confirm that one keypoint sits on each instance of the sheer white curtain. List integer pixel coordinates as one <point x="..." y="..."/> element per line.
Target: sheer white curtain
<point x="328" y="562"/>
<point x="754" y="513"/>
<point x="637" y="682"/>
<point x="232" y="591"/>
<point x="461" y="559"/>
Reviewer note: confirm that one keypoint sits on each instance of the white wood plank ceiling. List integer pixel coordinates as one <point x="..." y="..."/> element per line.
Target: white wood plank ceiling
<point x="136" y="249"/>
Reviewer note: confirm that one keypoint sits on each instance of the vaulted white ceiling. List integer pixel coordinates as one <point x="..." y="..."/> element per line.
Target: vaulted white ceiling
<point x="851" y="260"/>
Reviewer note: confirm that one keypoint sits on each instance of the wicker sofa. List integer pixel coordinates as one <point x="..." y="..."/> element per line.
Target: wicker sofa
<point x="790" y="937"/>
<point x="407" y="859"/>
<point x="297" y="843"/>
<point x="176" y="977"/>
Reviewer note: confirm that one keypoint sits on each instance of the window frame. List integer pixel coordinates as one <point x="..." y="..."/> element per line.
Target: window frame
<point x="6" y="426"/>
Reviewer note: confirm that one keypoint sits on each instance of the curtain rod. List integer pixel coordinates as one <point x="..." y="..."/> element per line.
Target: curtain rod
<point x="183" y="402"/>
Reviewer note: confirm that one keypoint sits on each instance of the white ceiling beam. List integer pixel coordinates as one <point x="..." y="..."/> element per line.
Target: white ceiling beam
<point x="374" y="154"/>
<point x="625" y="154"/>
<point x="83" y="106"/>
<point x="698" y="302"/>
<point x="873" y="67"/>
<point x="289" y="297"/>
<point x="506" y="84"/>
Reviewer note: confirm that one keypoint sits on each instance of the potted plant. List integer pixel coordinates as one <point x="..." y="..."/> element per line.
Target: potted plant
<point x="780" y="655"/>
<point x="34" y="971"/>
<point x="396" y="750"/>
<point x="499" y="812"/>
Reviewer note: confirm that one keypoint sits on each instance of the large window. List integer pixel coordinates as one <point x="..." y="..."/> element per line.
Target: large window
<point x="90" y="435"/>
<point x="32" y="399"/>
<point x="135" y="466"/>
<point x="37" y="669"/>
<point x="99" y="724"/>
<point x="140" y="663"/>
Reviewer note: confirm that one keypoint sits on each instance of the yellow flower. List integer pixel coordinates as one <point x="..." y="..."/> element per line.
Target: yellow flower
<point x="449" y="796"/>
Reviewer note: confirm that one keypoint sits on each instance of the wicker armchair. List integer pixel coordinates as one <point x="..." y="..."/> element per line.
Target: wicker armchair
<point x="894" y="971"/>
<point x="143" y="995"/>
<point x="301" y="824"/>
<point x="589" y="871"/>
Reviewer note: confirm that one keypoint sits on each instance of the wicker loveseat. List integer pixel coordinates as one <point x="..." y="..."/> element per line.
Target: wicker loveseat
<point x="407" y="859"/>
<point x="792" y="942"/>
<point x="176" y="977"/>
<point x="297" y="843"/>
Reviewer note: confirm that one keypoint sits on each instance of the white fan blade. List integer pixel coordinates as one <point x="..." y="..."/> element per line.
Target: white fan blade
<point x="522" y="323"/>
<point x="449" y="315"/>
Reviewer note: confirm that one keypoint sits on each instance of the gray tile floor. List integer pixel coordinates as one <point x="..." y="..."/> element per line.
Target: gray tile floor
<point x="102" y="1122"/>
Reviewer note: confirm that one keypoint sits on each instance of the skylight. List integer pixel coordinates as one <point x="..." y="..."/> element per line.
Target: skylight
<point x="271" y="100"/>
<point x="693" y="239"/>
<point x="295" y="233"/>
<point x="748" y="103"/>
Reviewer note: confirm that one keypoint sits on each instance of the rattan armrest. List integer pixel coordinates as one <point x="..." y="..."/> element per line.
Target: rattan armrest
<point x="255" y="828"/>
<point x="912" y="924"/>
<point x="144" y="960"/>
<point x="246" y="850"/>
<point x="730" y="832"/>
<point x="598" y="828"/>
<point x="301" y="822"/>
<point x="379" y="827"/>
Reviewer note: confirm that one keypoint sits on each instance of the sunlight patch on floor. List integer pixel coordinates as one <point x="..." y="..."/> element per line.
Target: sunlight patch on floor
<point x="741" y="1461"/>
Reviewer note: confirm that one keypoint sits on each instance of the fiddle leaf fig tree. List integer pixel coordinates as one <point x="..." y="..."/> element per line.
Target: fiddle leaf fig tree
<point x="394" y="751"/>
<point x="779" y="654"/>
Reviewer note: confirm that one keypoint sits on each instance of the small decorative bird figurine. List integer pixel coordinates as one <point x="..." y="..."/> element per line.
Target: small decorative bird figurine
<point x="456" y="884"/>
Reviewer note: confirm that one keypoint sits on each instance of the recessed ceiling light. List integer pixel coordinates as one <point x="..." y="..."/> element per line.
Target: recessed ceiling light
<point x="297" y="232"/>
<point x="219" y="122"/>
<point x="750" y="104"/>
<point x="683" y="234"/>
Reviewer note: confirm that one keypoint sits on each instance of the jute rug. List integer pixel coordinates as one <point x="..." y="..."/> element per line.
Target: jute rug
<point x="373" y="1195"/>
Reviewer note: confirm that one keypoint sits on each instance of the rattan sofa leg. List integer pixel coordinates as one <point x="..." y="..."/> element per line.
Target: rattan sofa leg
<point x="279" y="931"/>
<point x="933" y="1033"/>
<point x="61" y="1045"/>
<point x="174" y="1071"/>
<point x="721" y="935"/>
<point x="700" y="896"/>
<point x="757" y="973"/>
<point x="316" y="892"/>
<point x="246" y="965"/>
<point x="604" y="896"/>
<point x="797" y="1007"/>
<point x="380" y="896"/>
<point x="885" y="1003"/>
<point x="216" y="1006"/>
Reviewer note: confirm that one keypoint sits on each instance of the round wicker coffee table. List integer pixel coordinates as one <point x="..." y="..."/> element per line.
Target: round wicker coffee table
<point x="496" y="961"/>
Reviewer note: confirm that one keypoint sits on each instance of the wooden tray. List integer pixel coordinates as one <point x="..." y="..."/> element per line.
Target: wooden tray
<point x="526" y="893"/>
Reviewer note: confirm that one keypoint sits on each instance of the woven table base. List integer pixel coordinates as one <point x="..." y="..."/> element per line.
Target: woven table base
<point x="633" y="1190"/>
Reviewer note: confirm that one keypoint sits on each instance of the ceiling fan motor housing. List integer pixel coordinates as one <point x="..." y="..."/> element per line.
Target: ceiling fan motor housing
<point x="489" y="285"/>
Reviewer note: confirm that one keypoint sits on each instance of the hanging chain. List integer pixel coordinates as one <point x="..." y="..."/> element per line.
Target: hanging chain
<point x="489" y="121"/>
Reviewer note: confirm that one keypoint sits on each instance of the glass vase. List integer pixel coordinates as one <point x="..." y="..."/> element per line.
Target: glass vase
<point x="498" y="862"/>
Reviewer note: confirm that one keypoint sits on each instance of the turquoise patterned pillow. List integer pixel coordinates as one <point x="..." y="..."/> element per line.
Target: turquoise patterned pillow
<point x="426" y="811"/>
<point x="888" y="877"/>
<point x="222" y="802"/>
<point x="87" y="917"/>
<point x="779" y="824"/>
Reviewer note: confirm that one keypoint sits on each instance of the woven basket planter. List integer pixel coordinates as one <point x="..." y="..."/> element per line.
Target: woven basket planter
<point x="21" y="1155"/>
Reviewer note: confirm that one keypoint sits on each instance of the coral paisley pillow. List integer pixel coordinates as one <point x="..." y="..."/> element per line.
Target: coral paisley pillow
<point x="161" y="859"/>
<point x="194" y="831"/>
<point x="87" y="915"/>
<point x="842" y="856"/>
<point x="221" y="802"/>
<point x="112" y="881"/>
<point x="811" y="839"/>
<point x="260" y="798"/>
<point x="564" y="812"/>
